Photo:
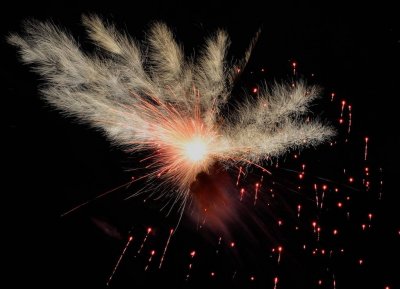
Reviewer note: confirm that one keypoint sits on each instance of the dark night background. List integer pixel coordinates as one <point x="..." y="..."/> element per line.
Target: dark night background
<point x="52" y="163"/>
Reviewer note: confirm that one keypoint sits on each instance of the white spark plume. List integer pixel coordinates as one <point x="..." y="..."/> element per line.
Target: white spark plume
<point x="150" y="96"/>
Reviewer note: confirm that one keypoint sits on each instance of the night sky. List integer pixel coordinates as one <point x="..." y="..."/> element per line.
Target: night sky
<point x="52" y="163"/>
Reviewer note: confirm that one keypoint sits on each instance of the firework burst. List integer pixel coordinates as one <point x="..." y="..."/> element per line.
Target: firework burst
<point x="150" y="97"/>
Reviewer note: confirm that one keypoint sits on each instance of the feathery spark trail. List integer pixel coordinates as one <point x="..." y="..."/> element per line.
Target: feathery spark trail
<point x="169" y="104"/>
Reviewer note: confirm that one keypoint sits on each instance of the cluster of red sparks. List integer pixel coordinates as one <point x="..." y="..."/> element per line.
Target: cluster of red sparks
<point x="320" y="208"/>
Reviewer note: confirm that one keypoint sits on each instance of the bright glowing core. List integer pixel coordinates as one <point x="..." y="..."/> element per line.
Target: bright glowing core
<point x="195" y="150"/>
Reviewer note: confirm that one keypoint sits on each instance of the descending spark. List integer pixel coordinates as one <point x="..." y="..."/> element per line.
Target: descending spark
<point x="279" y="253"/>
<point x="324" y="187"/>
<point x="349" y="127"/>
<point x="380" y="183"/>
<point x="239" y="174"/>
<point x="144" y="240"/>
<point x="192" y="254"/>
<point x="294" y="65"/>
<point x="298" y="210"/>
<point x="218" y="245"/>
<point x="241" y="194"/>
<point x="165" y="248"/>
<point x="152" y="253"/>
<point x="366" y="149"/>
<point x="334" y="281"/>
<point x="119" y="259"/>
<point x="366" y="178"/>
<point x="316" y="195"/>
<point x="276" y="282"/>
<point x="256" y="193"/>
<point x="370" y="220"/>
<point x="342" y="109"/>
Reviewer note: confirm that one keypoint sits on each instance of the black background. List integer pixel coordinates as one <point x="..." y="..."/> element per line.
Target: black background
<point x="51" y="163"/>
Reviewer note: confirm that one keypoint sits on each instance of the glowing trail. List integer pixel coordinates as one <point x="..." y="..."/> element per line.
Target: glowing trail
<point x="241" y="194"/>
<point x="97" y="197"/>
<point x="165" y="248"/>
<point x="324" y="187"/>
<point x="256" y="193"/>
<point x="218" y="245"/>
<point x="279" y="253"/>
<point x="342" y="110"/>
<point x="192" y="254"/>
<point x="144" y="240"/>
<point x="380" y="184"/>
<point x="119" y="259"/>
<point x="276" y="280"/>
<point x="316" y="195"/>
<point x="152" y="253"/>
<point x="349" y="127"/>
<point x="238" y="177"/>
